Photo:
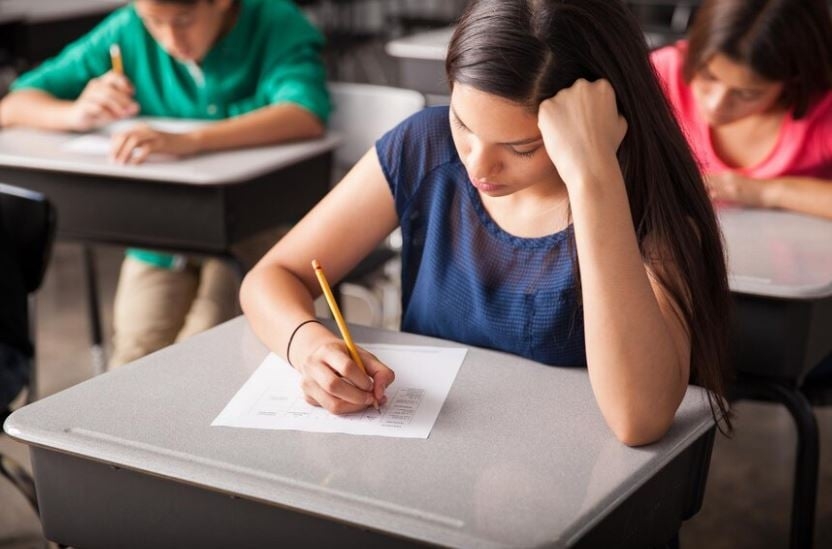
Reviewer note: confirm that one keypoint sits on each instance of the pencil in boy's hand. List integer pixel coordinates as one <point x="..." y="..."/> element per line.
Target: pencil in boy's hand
<point x="339" y="319"/>
<point x="115" y="58"/>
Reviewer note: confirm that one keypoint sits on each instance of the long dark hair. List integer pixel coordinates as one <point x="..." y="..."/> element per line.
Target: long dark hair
<point x="528" y="50"/>
<point x="788" y="41"/>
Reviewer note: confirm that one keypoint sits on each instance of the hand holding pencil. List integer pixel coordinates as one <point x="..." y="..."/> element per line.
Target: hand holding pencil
<point x="336" y="374"/>
<point x="105" y="99"/>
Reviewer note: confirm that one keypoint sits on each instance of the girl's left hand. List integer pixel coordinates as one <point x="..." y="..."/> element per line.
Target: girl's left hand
<point x="136" y="144"/>
<point x="582" y="130"/>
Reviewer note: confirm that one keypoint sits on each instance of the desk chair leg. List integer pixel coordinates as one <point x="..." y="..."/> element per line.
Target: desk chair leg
<point x="99" y="363"/>
<point x="806" y="466"/>
<point x="21" y="479"/>
<point x="32" y="393"/>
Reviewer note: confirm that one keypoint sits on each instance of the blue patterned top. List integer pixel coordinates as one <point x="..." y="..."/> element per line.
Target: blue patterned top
<point x="463" y="277"/>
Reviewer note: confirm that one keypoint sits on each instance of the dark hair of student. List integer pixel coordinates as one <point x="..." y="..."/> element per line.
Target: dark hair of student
<point x="787" y="41"/>
<point x="528" y="50"/>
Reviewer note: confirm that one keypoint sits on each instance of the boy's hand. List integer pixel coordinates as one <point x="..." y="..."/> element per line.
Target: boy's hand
<point x="105" y="99"/>
<point x="136" y="144"/>
<point x="331" y="379"/>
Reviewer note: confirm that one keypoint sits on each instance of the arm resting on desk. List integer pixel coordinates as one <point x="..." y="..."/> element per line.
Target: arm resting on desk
<point x="36" y="109"/>
<point x="265" y="126"/>
<point x="639" y="369"/>
<point x="638" y="347"/>
<point x="807" y="195"/>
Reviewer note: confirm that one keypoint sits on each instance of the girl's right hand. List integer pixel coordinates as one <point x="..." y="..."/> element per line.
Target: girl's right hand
<point x="104" y="99"/>
<point x="331" y="379"/>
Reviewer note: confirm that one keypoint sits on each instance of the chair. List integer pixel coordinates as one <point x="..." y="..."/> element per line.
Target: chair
<point x="27" y="232"/>
<point x="363" y="113"/>
<point x="770" y="361"/>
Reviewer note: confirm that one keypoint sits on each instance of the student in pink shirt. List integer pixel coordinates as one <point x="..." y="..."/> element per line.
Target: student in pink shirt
<point x="752" y="89"/>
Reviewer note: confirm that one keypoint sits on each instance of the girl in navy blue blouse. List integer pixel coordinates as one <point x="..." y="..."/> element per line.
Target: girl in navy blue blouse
<point x="553" y="211"/>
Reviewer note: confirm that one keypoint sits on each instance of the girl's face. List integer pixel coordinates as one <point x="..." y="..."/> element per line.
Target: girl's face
<point x="186" y="31"/>
<point x="499" y="143"/>
<point x="726" y="91"/>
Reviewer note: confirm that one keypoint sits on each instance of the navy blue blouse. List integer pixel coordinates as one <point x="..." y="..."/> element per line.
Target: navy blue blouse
<point x="463" y="277"/>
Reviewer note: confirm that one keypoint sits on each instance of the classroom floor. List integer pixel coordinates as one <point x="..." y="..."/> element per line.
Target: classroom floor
<point x="747" y="500"/>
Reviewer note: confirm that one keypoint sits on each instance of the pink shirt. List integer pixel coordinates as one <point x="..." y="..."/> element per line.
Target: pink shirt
<point x="803" y="148"/>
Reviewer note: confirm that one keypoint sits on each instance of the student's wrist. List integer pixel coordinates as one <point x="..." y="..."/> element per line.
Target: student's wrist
<point x="771" y="193"/>
<point x="307" y="337"/>
<point x="593" y="185"/>
<point x="195" y="141"/>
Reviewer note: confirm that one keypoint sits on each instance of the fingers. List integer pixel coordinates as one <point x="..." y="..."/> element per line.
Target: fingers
<point x="134" y="145"/>
<point x="317" y="396"/>
<point x="330" y="378"/>
<point x="119" y="104"/>
<point x="91" y="115"/>
<point x="118" y="81"/>
<point x="112" y="92"/>
<point x="382" y="376"/>
<point x="718" y="188"/>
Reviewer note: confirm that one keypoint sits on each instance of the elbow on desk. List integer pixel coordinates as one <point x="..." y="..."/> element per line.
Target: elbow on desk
<point x="635" y="429"/>
<point x="308" y="126"/>
<point x="310" y="129"/>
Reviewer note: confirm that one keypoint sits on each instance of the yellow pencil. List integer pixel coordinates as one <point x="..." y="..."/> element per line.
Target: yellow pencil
<point x="115" y="58"/>
<point x="339" y="319"/>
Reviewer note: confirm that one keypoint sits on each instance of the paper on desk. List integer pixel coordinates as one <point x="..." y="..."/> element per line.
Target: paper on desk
<point x="272" y="398"/>
<point x="100" y="143"/>
<point x="95" y="144"/>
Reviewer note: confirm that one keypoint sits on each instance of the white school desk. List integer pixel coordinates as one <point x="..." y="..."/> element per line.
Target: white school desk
<point x="519" y="456"/>
<point x="421" y="56"/>
<point x="204" y="204"/>
<point x="780" y="268"/>
<point x="421" y="60"/>
<point x="39" y="11"/>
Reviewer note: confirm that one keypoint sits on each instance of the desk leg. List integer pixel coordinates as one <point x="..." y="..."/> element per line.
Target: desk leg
<point x="99" y="363"/>
<point x="806" y="466"/>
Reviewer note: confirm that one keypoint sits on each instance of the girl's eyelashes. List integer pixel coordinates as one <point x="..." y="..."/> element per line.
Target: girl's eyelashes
<point x="525" y="154"/>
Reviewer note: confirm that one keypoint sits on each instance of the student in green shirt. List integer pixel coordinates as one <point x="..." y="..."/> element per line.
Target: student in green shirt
<point x="252" y="66"/>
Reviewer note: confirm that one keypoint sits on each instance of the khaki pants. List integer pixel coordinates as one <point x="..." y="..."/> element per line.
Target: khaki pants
<point x="157" y="307"/>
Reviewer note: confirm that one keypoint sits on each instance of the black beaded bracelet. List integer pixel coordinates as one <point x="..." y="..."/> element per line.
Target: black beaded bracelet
<point x="291" y="337"/>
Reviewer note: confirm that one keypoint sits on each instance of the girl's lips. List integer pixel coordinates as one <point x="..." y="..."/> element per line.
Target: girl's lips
<point x="485" y="186"/>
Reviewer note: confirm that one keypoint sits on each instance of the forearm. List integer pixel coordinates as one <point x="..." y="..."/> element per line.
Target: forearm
<point x="275" y="302"/>
<point x="36" y="109"/>
<point x="800" y="194"/>
<point x="269" y="125"/>
<point x="633" y="362"/>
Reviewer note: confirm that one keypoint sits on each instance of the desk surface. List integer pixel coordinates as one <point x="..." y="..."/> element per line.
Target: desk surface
<point x="777" y="254"/>
<point x="38" y="11"/>
<point x="430" y="45"/>
<point x="43" y="150"/>
<point x="519" y="456"/>
<point x="433" y="45"/>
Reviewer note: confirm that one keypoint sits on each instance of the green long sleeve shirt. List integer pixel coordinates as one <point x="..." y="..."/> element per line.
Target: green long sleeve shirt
<point x="270" y="56"/>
